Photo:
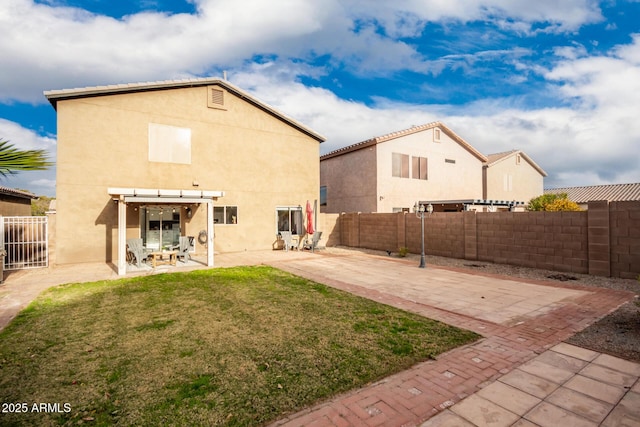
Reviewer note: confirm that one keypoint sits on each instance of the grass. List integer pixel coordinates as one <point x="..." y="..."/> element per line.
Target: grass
<point x="233" y="347"/>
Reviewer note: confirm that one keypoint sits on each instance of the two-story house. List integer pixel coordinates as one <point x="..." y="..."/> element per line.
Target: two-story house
<point x="390" y="173"/>
<point x="159" y="160"/>
<point x="426" y="164"/>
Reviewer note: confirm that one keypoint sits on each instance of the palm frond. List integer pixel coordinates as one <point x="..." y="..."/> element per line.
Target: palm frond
<point x="14" y="160"/>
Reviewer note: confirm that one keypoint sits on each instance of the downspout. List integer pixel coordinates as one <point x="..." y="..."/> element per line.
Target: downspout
<point x="484" y="182"/>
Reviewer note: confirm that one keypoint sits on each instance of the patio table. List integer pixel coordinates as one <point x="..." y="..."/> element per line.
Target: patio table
<point x="158" y="257"/>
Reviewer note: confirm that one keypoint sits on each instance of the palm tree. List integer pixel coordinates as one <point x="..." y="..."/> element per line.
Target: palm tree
<point x="14" y="160"/>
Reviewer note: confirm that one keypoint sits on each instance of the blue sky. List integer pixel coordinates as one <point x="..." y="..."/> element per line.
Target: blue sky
<point x="559" y="80"/>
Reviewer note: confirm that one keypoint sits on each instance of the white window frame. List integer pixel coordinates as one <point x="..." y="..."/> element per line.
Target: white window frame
<point x="299" y="231"/>
<point x="224" y="214"/>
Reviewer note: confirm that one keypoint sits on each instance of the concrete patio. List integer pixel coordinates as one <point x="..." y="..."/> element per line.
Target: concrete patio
<point x="521" y="373"/>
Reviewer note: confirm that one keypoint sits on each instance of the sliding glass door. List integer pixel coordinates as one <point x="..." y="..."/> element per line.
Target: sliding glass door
<point x="160" y="226"/>
<point x="290" y="219"/>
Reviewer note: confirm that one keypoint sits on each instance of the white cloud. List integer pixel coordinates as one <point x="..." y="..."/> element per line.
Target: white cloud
<point x="25" y="139"/>
<point x="52" y="47"/>
<point x="38" y="182"/>
<point x="45" y="47"/>
<point x="592" y="140"/>
<point x="514" y="15"/>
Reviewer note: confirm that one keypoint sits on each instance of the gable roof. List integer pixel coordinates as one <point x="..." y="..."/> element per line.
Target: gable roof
<point x="60" y="95"/>
<point x="492" y="159"/>
<point x="610" y="192"/>
<point x="17" y="193"/>
<point x="405" y="132"/>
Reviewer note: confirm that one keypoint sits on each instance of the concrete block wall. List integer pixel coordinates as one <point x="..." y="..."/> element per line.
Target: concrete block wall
<point x="599" y="238"/>
<point x="547" y="240"/>
<point x="624" y="220"/>
<point x="604" y="240"/>
<point x="350" y="229"/>
<point x="443" y="234"/>
<point x="379" y="231"/>
<point x="470" y="235"/>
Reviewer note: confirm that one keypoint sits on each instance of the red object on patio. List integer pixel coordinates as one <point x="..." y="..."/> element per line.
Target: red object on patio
<point x="309" y="218"/>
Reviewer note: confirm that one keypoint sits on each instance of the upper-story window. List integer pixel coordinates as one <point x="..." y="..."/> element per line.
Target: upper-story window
<point x="323" y="195"/>
<point x="400" y="165"/>
<point x="419" y="168"/>
<point x="169" y="144"/>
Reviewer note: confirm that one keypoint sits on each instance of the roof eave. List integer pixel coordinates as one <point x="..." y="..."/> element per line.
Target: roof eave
<point x="53" y="96"/>
<point x="394" y="135"/>
<point x="511" y="154"/>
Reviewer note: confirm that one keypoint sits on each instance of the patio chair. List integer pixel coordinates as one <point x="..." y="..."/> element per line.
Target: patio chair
<point x="313" y="244"/>
<point x="182" y="248"/>
<point x="286" y="237"/>
<point x="134" y="246"/>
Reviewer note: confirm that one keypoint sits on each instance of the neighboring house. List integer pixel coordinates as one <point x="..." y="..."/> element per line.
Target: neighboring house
<point x="15" y="202"/>
<point x="390" y="173"/>
<point x="430" y="164"/>
<point x="163" y="159"/>
<point x="512" y="175"/>
<point x="610" y="192"/>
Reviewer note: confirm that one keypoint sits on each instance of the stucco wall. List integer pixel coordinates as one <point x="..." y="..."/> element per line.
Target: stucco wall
<point x="446" y="181"/>
<point x="14" y="206"/>
<point x="362" y="180"/>
<point x="351" y="181"/>
<point x="259" y="161"/>
<point x="509" y="180"/>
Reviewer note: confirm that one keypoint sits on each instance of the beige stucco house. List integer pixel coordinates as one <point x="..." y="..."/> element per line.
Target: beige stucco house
<point x="160" y="160"/>
<point x="512" y="175"/>
<point x="390" y="173"/>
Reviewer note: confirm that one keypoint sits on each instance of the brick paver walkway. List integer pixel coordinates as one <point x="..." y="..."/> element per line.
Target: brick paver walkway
<point x="415" y="395"/>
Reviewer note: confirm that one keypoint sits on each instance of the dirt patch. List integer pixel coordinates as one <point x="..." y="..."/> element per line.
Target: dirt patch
<point x="617" y="334"/>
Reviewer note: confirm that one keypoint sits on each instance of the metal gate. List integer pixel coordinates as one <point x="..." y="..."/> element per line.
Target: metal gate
<point x="25" y="238"/>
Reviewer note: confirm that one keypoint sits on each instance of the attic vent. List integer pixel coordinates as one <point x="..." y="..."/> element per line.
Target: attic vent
<point x="215" y="98"/>
<point x="436" y="135"/>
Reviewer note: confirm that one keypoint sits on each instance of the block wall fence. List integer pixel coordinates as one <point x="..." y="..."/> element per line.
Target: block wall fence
<point x="603" y="240"/>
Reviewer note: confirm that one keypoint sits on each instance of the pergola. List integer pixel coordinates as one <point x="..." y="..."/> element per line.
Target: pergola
<point x="124" y="196"/>
<point x="466" y="204"/>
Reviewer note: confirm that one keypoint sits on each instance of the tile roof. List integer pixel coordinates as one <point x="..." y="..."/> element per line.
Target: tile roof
<point x="17" y="193"/>
<point x="498" y="157"/>
<point x="405" y="132"/>
<point x="610" y="192"/>
<point x="54" y="96"/>
<point x="493" y="158"/>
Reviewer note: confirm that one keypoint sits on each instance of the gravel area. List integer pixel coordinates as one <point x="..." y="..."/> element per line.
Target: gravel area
<point x="617" y="334"/>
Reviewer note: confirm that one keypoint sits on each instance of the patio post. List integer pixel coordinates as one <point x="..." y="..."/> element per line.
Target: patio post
<point x="210" y="233"/>
<point x="122" y="236"/>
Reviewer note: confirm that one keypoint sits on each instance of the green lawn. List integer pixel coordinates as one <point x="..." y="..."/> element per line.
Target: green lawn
<point x="237" y="347"/>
